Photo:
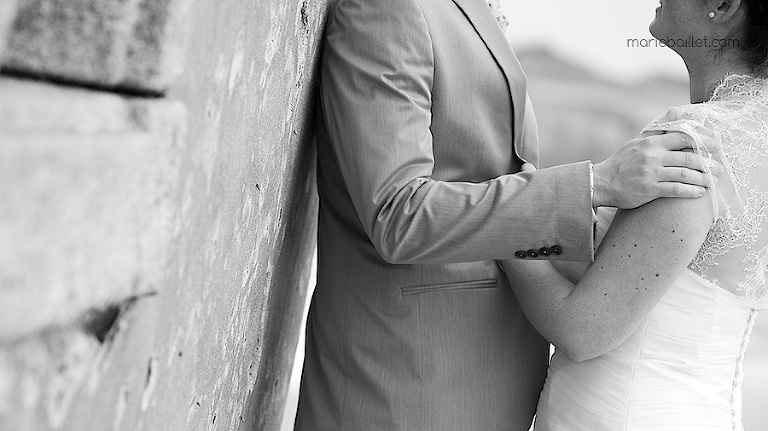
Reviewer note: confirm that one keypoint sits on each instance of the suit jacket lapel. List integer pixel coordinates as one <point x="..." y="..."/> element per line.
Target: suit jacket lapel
<point x="479" y="14"/>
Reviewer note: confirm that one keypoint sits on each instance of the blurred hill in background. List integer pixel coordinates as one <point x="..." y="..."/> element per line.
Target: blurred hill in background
<point x="584" y="116"/>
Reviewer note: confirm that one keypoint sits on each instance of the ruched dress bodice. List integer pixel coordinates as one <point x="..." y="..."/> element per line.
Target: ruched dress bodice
<point x="680" y="370"/>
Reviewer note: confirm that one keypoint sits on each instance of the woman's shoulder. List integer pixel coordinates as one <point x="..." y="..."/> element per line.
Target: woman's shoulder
<point x="736" y="99"/>
<point x="739" y="88"/>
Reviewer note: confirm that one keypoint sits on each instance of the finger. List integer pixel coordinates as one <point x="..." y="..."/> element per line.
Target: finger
<point x="712" y="145"/>
<point x="718" y="168"/>
<point x="695" y="162"/>
<point x="686" y="176"/>
<point x="527" y="167"/>
<point x="684" y="159"/>
<point x="675" y="141"/>
<point x="679" y="190"/>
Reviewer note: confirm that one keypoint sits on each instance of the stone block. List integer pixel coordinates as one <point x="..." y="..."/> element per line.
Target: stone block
<point x="100" y="202"/>
<point x="85" y="208"/>
<point x="7" y="13"/>
<point x="156" y="49"/>
<point x="131" y="45"/>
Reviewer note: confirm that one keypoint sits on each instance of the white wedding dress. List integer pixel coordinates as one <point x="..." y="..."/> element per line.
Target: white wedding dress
<point x="682" y="368"/>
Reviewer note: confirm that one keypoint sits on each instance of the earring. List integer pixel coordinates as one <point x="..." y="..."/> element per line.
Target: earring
<point x="711" y="15"/>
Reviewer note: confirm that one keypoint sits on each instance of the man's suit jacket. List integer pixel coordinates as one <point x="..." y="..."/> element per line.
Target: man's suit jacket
<point x="423" y="124"/>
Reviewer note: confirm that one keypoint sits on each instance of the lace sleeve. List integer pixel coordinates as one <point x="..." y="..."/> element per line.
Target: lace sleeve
<point x="702" y="124"/>
<point x="734" y="255"/>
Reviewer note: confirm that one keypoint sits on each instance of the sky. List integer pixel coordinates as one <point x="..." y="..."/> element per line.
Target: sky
<point x="593" y="33"/>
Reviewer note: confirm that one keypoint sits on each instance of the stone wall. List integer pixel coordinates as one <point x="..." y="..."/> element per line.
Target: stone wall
<point x="157" y="210"/>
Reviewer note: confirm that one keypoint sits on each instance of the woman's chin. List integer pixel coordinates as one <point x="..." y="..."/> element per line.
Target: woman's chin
<point x="652" y="28"/>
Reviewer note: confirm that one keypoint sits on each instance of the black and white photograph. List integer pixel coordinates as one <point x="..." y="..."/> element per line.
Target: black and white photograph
<point x="383" y="215"/>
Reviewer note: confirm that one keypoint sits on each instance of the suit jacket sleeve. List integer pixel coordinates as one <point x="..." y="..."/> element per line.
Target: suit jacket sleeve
<point x="375" y="90"/>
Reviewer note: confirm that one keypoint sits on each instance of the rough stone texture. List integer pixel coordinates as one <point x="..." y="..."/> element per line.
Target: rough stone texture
<point x="48" y="371"/>
<point x="7" y="14"/>
<point x="250" y="114"/>
<point x="85" y="186"/>
<point x="133" y="45"/>
<point x="212" y="348"/>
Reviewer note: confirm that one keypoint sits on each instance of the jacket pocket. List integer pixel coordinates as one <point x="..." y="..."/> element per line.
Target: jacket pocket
<point x="461" y="285"/>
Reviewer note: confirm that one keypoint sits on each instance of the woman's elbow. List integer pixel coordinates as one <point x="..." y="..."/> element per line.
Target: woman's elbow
<point x="582" y="345"/>
<point x="579" y="353"/>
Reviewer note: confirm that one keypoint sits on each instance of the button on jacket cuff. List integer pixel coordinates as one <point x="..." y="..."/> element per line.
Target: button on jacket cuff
<point x="564" y="227"/>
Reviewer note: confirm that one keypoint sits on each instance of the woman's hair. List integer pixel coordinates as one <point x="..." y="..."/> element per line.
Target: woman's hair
<point x="754" y="41"/>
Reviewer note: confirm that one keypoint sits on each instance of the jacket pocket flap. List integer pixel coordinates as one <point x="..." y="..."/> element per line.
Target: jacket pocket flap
<point x="461" y="285"/>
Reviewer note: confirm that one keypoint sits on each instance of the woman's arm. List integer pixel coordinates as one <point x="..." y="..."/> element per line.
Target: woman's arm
<point x="642" y="254"/>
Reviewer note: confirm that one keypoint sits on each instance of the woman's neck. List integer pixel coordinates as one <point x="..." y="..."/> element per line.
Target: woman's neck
<point x="706" y="76"/>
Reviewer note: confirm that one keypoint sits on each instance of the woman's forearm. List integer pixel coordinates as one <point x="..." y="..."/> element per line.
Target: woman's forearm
<point x="567" y="318"/>
<point x="643" y="253"/>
